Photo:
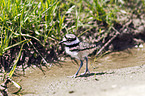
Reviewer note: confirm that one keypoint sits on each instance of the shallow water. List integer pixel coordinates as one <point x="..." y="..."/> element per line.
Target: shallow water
<point x="34" y="81"/>
<point x="126" y="58"/>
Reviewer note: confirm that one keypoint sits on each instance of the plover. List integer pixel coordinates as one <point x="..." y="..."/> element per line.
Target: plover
<point x="78" y="50"/>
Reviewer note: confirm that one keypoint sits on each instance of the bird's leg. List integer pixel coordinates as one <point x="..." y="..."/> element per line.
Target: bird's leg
<point x="79" y="67"/>
<point x="75" y="75"/>
<point x="87" y="70"/>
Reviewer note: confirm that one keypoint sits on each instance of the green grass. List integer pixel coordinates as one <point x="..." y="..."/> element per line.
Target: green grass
<point x="46" y="20"/>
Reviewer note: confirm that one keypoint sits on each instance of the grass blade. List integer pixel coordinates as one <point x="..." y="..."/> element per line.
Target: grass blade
<point x="15" y="63"/>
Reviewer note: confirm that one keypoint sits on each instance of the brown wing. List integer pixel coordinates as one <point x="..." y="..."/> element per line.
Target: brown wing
<point x="83" y="46"/>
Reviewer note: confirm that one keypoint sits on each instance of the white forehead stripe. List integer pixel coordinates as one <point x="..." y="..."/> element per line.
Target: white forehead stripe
<point x="72" y="42"/>
<point x="70" y="36"/>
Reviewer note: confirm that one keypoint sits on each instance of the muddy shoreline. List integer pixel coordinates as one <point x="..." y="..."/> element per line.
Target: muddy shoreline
<point x="117" y="74"/>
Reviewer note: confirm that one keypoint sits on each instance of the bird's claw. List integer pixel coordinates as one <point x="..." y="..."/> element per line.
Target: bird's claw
<point x="86" y="72"/>
<point x="74" y="76"/>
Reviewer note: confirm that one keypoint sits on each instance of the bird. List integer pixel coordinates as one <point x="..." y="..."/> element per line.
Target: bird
<point x="78" y="50"/>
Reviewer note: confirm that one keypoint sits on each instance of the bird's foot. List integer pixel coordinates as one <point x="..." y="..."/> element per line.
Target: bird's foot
<point x="86" y="72"/>
<point x="74" y="76"/>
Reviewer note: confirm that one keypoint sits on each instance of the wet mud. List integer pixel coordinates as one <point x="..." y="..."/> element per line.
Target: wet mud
<point x="111" y="75"/>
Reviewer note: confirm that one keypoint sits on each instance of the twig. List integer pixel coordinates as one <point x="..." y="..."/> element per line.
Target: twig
<point x="117" y="32"/>
<point x="43" y="59"/>
<point x="3" y="88"/>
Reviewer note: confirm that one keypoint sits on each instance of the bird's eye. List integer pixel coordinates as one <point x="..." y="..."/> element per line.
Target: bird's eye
<point x="71" y="39"/>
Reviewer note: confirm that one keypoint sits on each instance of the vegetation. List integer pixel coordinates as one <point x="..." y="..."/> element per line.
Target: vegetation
<point x="34" y="27"/>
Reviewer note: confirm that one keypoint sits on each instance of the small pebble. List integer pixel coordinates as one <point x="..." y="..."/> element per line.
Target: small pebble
<point x="96" y="79"/>
<point x="71" y="92"/>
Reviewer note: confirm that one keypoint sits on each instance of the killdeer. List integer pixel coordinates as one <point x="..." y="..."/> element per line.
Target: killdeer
<point x="78" y="50"/>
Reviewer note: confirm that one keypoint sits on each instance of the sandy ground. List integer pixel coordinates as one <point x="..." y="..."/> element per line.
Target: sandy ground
<point x="117" y="82"/>
<point x="120" y="81"/>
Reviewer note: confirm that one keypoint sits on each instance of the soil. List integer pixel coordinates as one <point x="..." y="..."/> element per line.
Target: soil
<point x="116" y="74"/>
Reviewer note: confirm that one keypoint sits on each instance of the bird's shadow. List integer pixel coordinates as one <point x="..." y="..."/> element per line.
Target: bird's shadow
<point x="94" y="74"/>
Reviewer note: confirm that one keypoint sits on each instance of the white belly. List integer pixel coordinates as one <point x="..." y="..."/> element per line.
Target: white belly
<point x="73" y="54"/>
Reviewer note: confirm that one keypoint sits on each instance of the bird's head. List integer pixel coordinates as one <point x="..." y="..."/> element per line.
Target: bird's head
<point x="69" y="39"/>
